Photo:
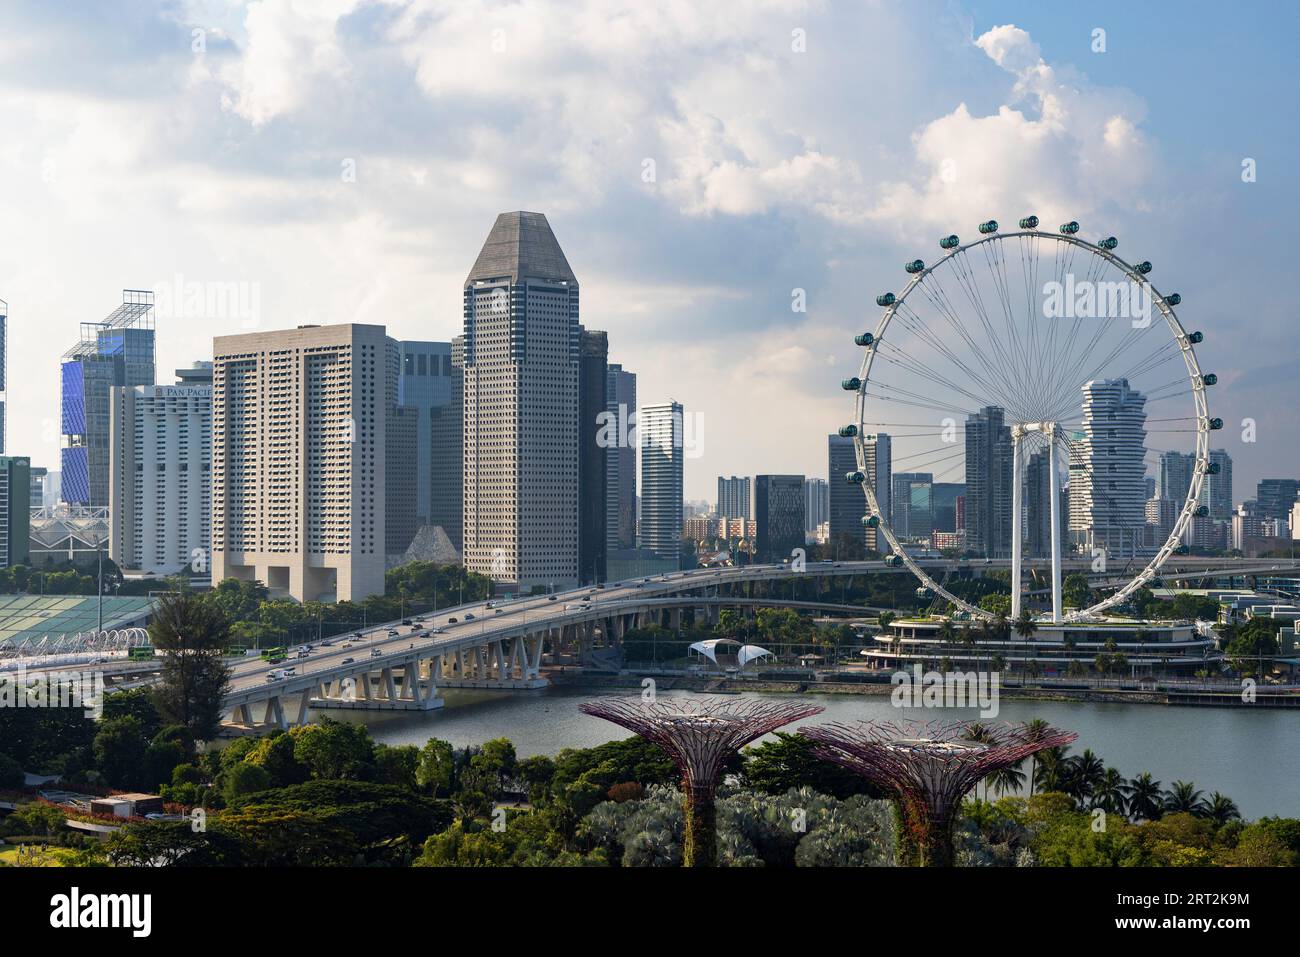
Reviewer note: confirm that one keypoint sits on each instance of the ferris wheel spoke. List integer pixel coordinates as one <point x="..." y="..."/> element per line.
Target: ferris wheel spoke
<point x="1013" y="382"/>
<point x="939" y="346"/>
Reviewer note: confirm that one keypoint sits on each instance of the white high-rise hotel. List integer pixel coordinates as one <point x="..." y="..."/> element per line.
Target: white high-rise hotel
<point x="521" y="359"/>
<point x="159" y="490"/>
<point x="1107" y="469"/>
<point x="298" y="445"/>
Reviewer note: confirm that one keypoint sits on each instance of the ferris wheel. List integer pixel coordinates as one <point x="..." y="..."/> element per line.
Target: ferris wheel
<point x="1044" y="362"/>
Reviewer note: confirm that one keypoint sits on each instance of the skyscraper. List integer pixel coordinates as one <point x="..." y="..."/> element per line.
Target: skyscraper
<point x="1216" y="489"/>
<point x="160" y="480"/>
<point x="521" y="360"/>
<point x="592" y="467"/>
<point x="447" y="453"/>
<point x="779" y="515"/>
<point x="660" y="430"/>
<point x="401" y="471"/>
<point x="299" y="443"/>
<point x="848" y="505"/>
<point x="1038" y="507"/>
<point x="1174" y="476"/>
<point x="988" y="483"/>
<point x="119" y="351"/>
<point x="817" y="504"/>
<point x="620" y="459"/>
<point x="735" y="497"/>
<point x="15" y="509"/>
<point x="912" y="505"/>
<point x="1107" y="465"/>
<point x="425" y="378"/>
<point x="945" y="505"/>
<point x="1275" y="498"/>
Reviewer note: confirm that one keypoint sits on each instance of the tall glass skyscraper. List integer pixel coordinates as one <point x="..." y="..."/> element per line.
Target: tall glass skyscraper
<point x="119" y="351"/>
<point x="521" y="361"/>
<point x="660" y="431"/>
<point x="620" y="460"/>
<point x="988" y="483"/>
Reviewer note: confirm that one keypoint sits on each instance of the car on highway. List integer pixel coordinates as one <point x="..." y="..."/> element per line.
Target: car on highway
<point x="358" y="636"/>
<point x="438" y="631"/>
<point x="451" y="621"/>
<point x="348" y="661"/>
<point x="327" y="643"/>
<point x="392" y="632"/>
<point x="550" y="598"/>
<point x="375" y="652"/>
<point x="490" y="604"/>
<point x="277" y="675"/>
<point x="469" y="616"/>
<point x="406" y="621"/>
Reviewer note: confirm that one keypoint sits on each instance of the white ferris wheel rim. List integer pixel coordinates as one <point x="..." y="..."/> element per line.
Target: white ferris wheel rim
<point x="1197" y="381"/>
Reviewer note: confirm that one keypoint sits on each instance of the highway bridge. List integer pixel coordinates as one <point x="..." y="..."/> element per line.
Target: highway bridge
<point x="402" y="665"/>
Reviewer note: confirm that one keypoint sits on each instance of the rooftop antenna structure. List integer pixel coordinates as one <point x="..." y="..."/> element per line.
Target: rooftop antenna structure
<point x="699" y="735"/>
<point x="927" y="767"/>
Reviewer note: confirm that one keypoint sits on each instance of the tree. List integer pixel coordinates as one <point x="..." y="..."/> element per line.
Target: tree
<point x="1221" y="809"/>
<point x="244" y="778"/>
<point x="119" y="750"/>
<point x="1183" y="797"/>
<point x="1108" y="792"/>
<point x="334" y="750"/>
<point x="1025" y="625"/>
<point x="1144" y="797"/>
<point x="11" y="772"/>
<point x="191" y="632"/>
<point x="1075" y="591"/>
<point x="435" y="769"/>
<point x="397" y="764"/>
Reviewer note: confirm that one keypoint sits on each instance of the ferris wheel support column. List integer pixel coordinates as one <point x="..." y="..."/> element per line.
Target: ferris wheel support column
<point x="1054" y="491"/>
<point x="1016" y="533"/>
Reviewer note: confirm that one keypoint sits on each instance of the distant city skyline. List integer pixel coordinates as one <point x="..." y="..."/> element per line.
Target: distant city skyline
<point x="301" y="162"/>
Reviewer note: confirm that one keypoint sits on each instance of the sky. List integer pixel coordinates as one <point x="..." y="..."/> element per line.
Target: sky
<point x="732" y="183"/>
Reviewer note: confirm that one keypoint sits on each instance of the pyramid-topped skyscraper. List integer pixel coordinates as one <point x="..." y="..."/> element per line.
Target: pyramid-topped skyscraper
<point x="521" y="363"/>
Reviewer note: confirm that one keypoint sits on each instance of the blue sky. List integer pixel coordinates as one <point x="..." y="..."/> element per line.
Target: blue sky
<point x="133" y="159"/>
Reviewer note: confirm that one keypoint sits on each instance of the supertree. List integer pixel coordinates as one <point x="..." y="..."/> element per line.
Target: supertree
<point x="927" y="767"/>
<point x="699" y="735"/>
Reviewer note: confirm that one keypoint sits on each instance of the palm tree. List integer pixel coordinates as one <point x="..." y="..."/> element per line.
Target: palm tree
<point x="947" y="632"/>
<point x="1025" y="625"/>
<point x="1036" y="728"/>
<point x="1145" y="799"/>
<point x="979" y="734"/>
<point x="1183" y="796"/>
<point x="1008" y="780"/>
<point x="1108" y="792"/>
<point x="1053" y="770"/>
<point x="1086" y="773"/>
<point x="1221" y="809"/>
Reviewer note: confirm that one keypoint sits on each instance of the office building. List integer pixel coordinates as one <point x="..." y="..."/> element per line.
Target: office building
<point x="447" y="453"/>
<point x="116" y="352"/>
<point x="1107" y="505"/>
<point x="735" y="497"/>
<point x="778" y="516"/>
<point x="593" y="470"/>
<point x="988" y="483"/>
<point x="425" y="384"/>
<point x="620" y="458"/>
<point x="944" y="496"/>
<point x="160" y="480"/>
<point x="15" y="510"/>
<point x="659" y="428"/>
<point x="1275" y="497"/>
<point x="521" y="360"/>
<point x="299" y="443"/>
<point x="817" y="504"/>
<point x="847" y="503"/>
<point x="912" y="505"/>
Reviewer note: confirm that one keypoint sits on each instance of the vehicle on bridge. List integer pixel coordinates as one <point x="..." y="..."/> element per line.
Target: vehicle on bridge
<point x="141" y="653"/>
<point x="274" y="655"/>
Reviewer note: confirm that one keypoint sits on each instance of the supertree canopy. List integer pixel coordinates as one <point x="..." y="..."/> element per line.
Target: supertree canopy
<point x="699" y="735"/>
<point x="927" y="767"/>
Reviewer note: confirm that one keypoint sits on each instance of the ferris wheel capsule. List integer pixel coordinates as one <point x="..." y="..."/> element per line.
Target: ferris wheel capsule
<point x="1110" y="242"/>
<point x="871" y="521"/>
<point x="990" y="227"/>
<point x="865" y="339"/>
<point x="1173" y="299"/>
<point x="915" y="266"/>
<point x="1212" y="468"/>
<point x="1070" y="228"/>
<point x="1215" y="424"/>
<point x="854" y="478"/>
<point x="949" y="242"/>
<point x="1201" y="511"/>
<point x="924" y="592"/>
<point x="1209" y="379"/>
<point x="847" y="431"/>
<point x="893" y="561"/>
<point x="851" y="385"/>
<point x="1143" y="267"/>
<point x="885" y="299"/>
<point x="1029" y="222"/>
<point x="1195" y="337"/>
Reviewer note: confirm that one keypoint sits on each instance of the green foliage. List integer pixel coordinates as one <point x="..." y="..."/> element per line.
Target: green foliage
<point x="119" y="749"/>
<point x="334" y="749"/>
<point x="775" y="766"/>
<point x="11" y="772"/>
<point x="191" y="632"/>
